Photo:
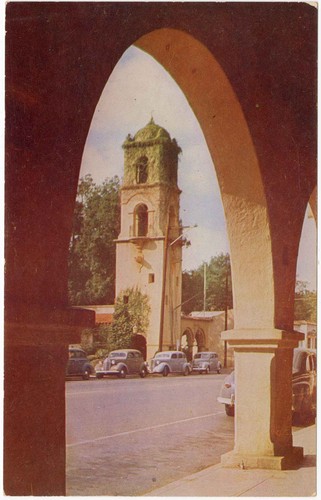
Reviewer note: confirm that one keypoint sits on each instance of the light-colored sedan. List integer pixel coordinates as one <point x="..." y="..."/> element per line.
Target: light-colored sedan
<point x="123" y="362"/>
<point x="170" y="362"/>
<point x="206" y="362"/>
<point x="227" y="394"/>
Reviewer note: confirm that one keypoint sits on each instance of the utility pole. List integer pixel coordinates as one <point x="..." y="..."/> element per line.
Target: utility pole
<point x="161" y="327"/>
<point x="226" y="307"/>
<point x="165" y="258"/>
<point x="204" y="289"/>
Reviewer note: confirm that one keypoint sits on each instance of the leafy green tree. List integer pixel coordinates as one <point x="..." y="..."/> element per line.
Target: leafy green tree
<point x="305" y="303"/>
<point x="92" y="254"/>
<point x="219" y="283"/>
<point x="192" y="291"/>
<point x="131" y="316"/>
<point x="218" y="286"/>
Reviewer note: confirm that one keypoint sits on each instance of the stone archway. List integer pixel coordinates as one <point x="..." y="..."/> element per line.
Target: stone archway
<point x="210" y="94"/>
<point x="263" y="258"/>
<point x="187" y="342"/>
<point x="139" y="343"/>
<point x="200" y="340"/>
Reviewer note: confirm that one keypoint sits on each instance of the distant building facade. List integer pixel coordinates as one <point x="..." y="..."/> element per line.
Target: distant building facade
<point x="310" y="333"/>
<point x="201" y="331"/>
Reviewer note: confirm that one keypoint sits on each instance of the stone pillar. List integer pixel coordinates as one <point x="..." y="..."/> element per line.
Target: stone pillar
<point x="263" y="394"/>
<point x="36" y="353"/>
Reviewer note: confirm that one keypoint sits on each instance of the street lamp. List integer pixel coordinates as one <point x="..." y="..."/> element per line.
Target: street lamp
<point x="181" y="235"/>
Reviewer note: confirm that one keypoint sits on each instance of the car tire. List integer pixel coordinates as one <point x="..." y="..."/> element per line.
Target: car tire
<point x="219" y="369"/>
<point x="122" y="373"/>
<point x="143" y="373"/>
<point x="99" y="375"/>
<point x="165" y="371"/>
<point x="305" y="415"/>
<point x="86" y="374"/>
<point x="186" y="371"/>
<point x="229" y="410"/>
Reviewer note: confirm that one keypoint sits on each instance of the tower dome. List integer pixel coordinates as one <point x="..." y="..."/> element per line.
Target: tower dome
<point x="151" y="132"/>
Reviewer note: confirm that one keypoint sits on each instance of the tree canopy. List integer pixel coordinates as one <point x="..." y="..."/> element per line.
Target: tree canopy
<point x="218" y="286"/>
<point x="305" y="303"/>
<point x="92" y="254"/>
<point x="131" y="316"/>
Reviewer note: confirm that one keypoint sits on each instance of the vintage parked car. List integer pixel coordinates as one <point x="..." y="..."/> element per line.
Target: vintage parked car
<point x="227" y="394"/>
<point x="78" y="364"/>
<point x="170" y="362"/>
<point x="304" y="378"/>
<point x="206" y="362"/>
<point x="123" y="362"/>
<point x="304" y="384"/>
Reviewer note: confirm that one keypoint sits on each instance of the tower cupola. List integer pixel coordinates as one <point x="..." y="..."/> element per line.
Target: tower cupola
<point x="151" y="157"/>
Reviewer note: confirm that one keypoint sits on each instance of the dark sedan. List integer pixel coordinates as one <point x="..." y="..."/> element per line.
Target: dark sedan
<point x="78" y="364"/>
<point x="304" y="381"/>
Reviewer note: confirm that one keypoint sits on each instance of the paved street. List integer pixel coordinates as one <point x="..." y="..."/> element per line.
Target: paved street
<point x="127" y="437"/>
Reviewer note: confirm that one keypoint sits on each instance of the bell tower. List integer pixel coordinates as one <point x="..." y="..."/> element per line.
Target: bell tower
<point x="149" y="247"/>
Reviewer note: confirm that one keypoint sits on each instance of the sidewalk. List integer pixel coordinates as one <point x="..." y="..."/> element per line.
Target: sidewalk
<point x="217" y="481"/>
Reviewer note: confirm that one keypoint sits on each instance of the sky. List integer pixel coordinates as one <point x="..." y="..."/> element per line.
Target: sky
<point x="140" y="88"/>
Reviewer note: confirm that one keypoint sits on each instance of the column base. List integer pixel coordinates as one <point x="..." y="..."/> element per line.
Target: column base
<point x="289" y="461"/>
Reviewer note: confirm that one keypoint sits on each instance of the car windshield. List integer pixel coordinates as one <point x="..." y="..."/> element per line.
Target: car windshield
<point x="117" y="355"/>
<point x="163" y="355"/>
<point x="297" y="360"/>
<point x="202" y="355"/>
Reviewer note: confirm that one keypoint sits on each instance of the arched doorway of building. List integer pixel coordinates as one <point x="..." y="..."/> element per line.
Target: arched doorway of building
<point x="200" y="341"/>
<point x="139" y="343"/>
<point x="187" y="341"/>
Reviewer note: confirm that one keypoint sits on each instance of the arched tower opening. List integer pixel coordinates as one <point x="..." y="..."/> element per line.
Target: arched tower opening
<point x="142" y="170"/>
<point x="141" y="220"/>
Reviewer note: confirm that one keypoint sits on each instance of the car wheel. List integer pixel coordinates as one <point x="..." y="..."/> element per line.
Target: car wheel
<point x="143" y="373"/>
<point x="86" y="374"/>
<point x="219" y="367"/>
<point x="186" y="371"/>
<point x="99" y="375"/>
<point x="305" y="415"/>
<point x="229" y="410"/>
<point x="165" y="371"/>
<point x="122" y="373"/>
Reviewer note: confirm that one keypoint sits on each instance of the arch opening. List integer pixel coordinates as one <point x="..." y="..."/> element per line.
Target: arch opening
<point x="142" y="170"/>
<point x="211" y="97"/>
<point x="141" y="220"/>
<point x="187" y="341"/>
<point x="210" y="94"/>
